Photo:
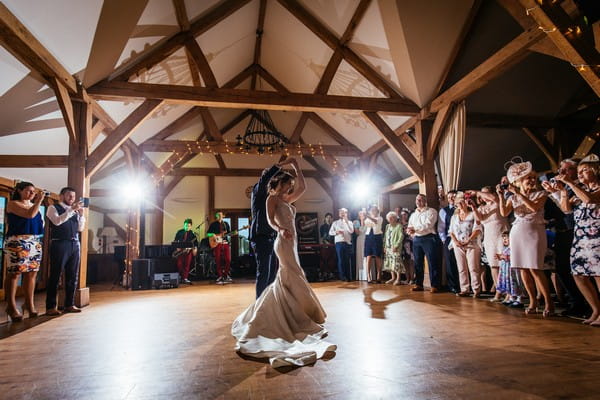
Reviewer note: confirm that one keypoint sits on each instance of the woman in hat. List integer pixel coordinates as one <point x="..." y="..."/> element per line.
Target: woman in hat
<point x="528" y="236"/>
<point x="585" y="252"/>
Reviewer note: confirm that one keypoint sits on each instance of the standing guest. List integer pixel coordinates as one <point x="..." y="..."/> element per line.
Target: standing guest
<point x="262" y="236"/>
<point x="392" y="248"/>
<point x="373" y="241"/>
<point x="564" y="226"/>
<point x="186" y="255"/>
<point x="464" y="232"/>
<point x="67" y="221"/>
<point x="426" y="243"/>
<point x="445" y="215"/>
<point x="528" y="236"/>
<point x="407" y="247"/>
<point x="324" y="229"/>
<point x="342" y="229"/>
<point x="585" y="253"/>
<point x="23" y="246"/>
<point x="359" y="230"/>
<point x="219" y="231"/>
<point x="509" y="281"/>
<point x="494" y="224"/>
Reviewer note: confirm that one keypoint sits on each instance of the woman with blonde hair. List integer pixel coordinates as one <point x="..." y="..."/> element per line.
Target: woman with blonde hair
<point x="585" y="251"/>
<point x="528" y="236"/>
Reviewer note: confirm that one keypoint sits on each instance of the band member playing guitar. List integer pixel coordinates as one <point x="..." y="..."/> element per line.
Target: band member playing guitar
<point x="217" y="233"/>
<point x="185" y="256"/>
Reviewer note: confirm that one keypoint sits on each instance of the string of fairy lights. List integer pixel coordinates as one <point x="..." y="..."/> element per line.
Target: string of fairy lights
<point x="570" y="32"/>
<point x="199" y="148"/>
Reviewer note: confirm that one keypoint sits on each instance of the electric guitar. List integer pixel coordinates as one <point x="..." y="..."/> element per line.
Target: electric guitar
<point x="217" y="239"/>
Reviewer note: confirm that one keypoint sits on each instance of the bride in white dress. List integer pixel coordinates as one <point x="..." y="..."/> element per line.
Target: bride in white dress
<point x="285" y="323"/>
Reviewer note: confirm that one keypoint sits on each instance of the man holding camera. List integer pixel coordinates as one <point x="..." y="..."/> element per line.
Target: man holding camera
<point x="66" y="220"/>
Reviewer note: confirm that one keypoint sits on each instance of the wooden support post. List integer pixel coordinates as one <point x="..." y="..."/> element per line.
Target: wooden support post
<point x="78" y="180"/>
<point x="428" y="181"/>
<point x="211" y="197"/>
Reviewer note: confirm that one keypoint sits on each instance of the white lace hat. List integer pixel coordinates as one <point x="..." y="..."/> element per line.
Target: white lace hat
<point x="518" y="170"/>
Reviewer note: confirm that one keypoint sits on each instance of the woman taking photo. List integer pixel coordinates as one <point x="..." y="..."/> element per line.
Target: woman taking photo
<point x="23" y="246"/>
<point x="528" y="236"/>
<point x="585" y="251"/>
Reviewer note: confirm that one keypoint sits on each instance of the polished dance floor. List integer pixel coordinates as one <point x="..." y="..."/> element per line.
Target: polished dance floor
<point x="392" y="344"/>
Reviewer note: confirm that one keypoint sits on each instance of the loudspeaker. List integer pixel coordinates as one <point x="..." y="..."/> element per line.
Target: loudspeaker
<point x="141" y="274"/>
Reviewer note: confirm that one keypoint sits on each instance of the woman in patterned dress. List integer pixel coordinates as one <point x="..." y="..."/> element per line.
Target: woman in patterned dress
<point x="585" y="251"/>
<point x="23" y="246"/>
<point x="528" y="241"/>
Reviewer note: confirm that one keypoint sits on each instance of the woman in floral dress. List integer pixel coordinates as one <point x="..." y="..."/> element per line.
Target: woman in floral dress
<point x="23" y="246"/>
<point x="585" y="251"/>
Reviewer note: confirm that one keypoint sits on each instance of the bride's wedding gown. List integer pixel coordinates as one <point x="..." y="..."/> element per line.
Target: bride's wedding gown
<point x="284" y="323"/>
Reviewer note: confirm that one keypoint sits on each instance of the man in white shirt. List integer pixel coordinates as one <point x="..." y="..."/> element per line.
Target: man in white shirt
<point x="67" y="220"/>
<point x="445" y="215"/>
<point x="342" y="229"/>
<point x="426" y="243"/>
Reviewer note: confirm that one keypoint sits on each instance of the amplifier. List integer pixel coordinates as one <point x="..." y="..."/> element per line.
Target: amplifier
<point x="166" y="280"/>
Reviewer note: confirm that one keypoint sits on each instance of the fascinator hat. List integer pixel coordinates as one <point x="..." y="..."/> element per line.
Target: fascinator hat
<point x="517" y="169"/>
<point x="591" y="158"/>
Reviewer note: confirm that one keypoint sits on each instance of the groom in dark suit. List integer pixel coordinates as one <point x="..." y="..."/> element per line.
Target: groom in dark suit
<point x="262" y="237"/>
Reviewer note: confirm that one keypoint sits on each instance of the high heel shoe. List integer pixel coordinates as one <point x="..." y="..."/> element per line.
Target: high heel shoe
<point x="548" y="313"/>
<point x="531" y="310"/>
<point x="14" y="317"/>
<point x="31" y="313"/>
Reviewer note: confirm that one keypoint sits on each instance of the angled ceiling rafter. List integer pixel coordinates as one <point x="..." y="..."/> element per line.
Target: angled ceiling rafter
<point x="330" y="39"/>
<point x="578" y="49"/>
<point x="27" y="49"/>
<point x="165" y="48"/>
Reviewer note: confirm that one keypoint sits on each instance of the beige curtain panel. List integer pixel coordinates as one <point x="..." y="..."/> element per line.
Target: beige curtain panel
<point x="452" y="147"/>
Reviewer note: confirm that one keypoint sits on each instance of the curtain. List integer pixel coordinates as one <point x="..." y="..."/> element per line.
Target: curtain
<point x="452" y="147"/>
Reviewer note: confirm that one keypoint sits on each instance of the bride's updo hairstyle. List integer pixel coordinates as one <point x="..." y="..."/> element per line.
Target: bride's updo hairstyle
<point x="279" y="179"/>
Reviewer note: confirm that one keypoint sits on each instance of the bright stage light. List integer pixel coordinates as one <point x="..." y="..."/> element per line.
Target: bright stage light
<point x="134" y="191"/>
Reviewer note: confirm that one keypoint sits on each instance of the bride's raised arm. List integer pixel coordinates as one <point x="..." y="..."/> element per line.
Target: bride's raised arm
<point x="299" y="186"/>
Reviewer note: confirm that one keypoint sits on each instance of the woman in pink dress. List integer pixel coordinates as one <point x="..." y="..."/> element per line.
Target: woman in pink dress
<point x="528" y="236"/>
<point x="488" y="214"/>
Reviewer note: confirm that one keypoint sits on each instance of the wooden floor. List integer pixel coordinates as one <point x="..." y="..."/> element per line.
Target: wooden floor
<point x="392" y="344"/>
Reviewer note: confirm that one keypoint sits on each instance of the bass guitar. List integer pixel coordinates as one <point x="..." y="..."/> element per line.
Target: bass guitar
<point x="217" y="239"/>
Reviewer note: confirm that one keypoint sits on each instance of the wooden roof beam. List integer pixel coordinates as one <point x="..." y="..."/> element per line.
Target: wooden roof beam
<point x="230" y="172"/>
<point x="32" y="161"/>
<point x="165" y="48"/>
<point x="569" y="38"/>
<point x="21" y="43"/>
<point x="490" y="69"/>
<point x="411" y="180"/>
<point x="330" y="39"/>
<point x="395" y="143"/>
<point x="230" y="147"/>
<point x="237" y="98"/>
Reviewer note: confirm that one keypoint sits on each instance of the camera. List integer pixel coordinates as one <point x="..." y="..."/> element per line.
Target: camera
<point x="85" y="201"/>
<point x="46" y="193"/>
<point x="504" y="186"/>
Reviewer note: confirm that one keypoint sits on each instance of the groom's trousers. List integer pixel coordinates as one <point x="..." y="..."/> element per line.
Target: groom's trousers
<point x="266" y="262"/>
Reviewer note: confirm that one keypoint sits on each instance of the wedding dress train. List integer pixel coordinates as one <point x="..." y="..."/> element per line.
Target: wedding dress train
<point x="285" y="322"/>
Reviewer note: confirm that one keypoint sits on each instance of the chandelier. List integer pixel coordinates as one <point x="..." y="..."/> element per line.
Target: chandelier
<point x="262" y="134"/>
